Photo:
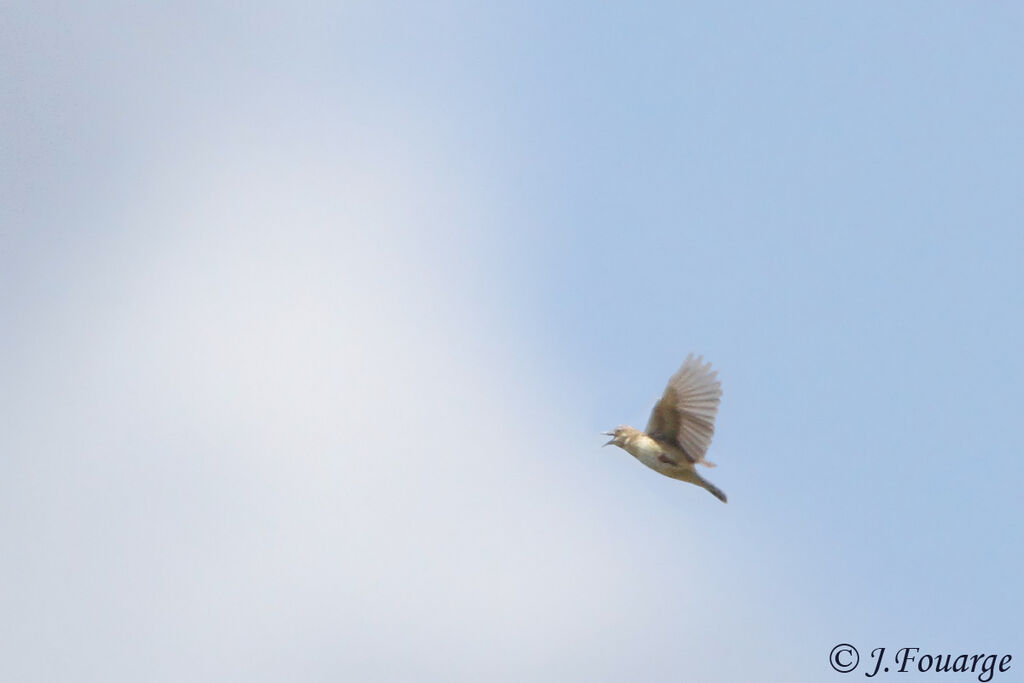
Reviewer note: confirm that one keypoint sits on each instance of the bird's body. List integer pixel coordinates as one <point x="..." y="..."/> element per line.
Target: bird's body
<point x="660" y="457"/>
<point x="680" y="428"/>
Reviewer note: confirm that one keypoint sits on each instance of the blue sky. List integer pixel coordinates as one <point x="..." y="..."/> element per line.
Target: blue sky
<point x="312" y="319"/>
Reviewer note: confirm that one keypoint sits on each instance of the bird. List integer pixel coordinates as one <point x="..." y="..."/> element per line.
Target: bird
<point x="680" y="428"/>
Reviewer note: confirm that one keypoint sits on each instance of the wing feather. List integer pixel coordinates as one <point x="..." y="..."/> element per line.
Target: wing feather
<point x="685" y="414"/>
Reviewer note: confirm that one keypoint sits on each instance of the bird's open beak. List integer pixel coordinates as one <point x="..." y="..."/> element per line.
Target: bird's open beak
<point x="610" y="442"/>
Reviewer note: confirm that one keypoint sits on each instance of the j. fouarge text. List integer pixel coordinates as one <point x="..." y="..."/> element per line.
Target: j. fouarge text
<point x="910" y="658"/>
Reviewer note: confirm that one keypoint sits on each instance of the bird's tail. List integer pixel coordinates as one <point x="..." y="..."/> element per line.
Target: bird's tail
<point x="714" y="490"/>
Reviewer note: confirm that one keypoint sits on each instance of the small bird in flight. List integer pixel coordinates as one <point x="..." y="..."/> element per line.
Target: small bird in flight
<point x="680" y="428"/>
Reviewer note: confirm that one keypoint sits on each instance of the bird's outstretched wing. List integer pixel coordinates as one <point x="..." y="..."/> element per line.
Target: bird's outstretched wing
<point x="685" y="415"/>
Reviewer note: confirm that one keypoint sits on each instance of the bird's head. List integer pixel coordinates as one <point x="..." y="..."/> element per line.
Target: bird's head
<point x="619" y="436"/>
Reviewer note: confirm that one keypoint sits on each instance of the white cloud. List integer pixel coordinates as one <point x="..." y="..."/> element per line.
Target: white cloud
<point x="267" y="437"/>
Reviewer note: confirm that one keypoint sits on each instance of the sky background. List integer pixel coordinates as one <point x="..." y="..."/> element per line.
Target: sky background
<point x="311" y="318"/>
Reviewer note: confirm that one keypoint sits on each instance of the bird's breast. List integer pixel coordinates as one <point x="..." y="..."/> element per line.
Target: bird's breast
<point x="648" y="451"/>
<point x="644" y="447"/>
